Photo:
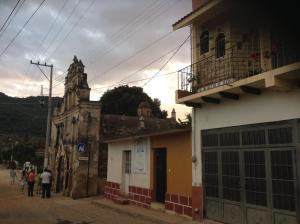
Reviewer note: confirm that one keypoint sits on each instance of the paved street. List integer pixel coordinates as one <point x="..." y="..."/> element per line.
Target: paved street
<point x="17" y="208"/>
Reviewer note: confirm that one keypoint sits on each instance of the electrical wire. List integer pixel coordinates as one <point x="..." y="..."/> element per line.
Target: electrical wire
<point x="165" y="64"/>
<point x="61" y="28"/>
<point x="11" y="19"/>
<point x="20" y="31"/>
<point x="51" y="27"/>
<point x="9" y="15"/>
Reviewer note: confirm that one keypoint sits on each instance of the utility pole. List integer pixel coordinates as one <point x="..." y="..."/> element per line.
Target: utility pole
<point x="38" y="64"/>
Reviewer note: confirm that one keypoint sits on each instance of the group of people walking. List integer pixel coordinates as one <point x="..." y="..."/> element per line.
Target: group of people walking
<point x="30" y="179"/>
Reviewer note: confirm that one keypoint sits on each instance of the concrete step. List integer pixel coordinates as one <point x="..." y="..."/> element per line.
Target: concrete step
<point x="121" y="200"/>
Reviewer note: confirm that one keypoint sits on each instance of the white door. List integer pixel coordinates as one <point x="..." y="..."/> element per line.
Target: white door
<point x="126" y="173"/>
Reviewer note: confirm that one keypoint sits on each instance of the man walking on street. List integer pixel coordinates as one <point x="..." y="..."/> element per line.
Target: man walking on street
<point x="45" y="176"/>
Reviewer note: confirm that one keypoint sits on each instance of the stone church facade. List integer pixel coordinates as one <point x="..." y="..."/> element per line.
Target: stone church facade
<point x="75" y="122"/>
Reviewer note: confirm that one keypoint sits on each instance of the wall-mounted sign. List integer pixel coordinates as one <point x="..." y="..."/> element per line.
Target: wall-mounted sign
<point x="140" y="157"/>
<point x="81" y="158"/>
<point x="81" y="147"/>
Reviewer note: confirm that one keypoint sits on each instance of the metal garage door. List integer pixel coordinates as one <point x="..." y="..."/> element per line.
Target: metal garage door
<point x="250" y="175"/>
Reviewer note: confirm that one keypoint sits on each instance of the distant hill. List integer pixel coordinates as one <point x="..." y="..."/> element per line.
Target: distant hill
<point x="24" y="116"/>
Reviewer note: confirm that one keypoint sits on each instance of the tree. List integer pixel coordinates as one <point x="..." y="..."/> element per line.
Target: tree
<point x="125" y="100"/>
<point x="187" y="122"/>
<point x="24" y="152"/>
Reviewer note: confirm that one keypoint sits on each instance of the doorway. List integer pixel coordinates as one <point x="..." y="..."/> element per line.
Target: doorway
<point x="160" y="174"/>
<point x="60" y="174"/>
<point x="126" y="171"/>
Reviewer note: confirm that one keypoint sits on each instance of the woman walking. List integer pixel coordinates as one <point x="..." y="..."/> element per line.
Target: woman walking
<point x="30" y="182"/>
<point x="23" y="180"/>
<point x="13" y="175"/>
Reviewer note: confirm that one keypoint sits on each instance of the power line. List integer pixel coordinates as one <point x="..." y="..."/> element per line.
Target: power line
<point x="9" y="16"/>
<point x="51" y="27"/>
<point x="11" y="19"/>
<point x="131" y="33"/>
<point x="155" y="75"/>
<point x="134" y="81"/>
<point x="20" y="31"/>
<point x="165" y="64"/>
<point x="138" y="52"/>
<point x="74" y="26"/>
<point x="61" y="28"/>
<point x="128" y="33"/>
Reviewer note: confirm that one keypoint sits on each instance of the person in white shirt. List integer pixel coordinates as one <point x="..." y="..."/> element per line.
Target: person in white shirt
<point x="46" y="180"/>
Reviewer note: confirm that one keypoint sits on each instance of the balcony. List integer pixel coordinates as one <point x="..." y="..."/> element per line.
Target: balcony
<point x="238" y="71"/>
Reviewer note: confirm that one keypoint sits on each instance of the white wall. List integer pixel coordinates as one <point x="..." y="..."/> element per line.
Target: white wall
<point x="114" y="169"/>
<point x="250" y="109"/>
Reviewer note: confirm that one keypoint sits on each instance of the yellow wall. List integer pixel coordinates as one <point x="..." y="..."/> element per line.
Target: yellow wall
<point x="179" y="161"/>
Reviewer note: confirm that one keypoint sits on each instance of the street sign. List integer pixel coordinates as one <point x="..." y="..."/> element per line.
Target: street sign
<point x="81" y="147"/>
<point x="83" y="158"/>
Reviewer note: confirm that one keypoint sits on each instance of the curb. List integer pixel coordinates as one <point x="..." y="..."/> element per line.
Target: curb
<point x="129" y="213"/>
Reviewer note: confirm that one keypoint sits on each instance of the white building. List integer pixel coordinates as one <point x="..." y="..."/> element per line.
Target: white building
<point x="243" y="85"/>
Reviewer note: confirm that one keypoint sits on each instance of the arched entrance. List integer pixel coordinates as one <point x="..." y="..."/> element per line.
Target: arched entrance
<point x="62" y="166"/>
<point x="60" y="174"/>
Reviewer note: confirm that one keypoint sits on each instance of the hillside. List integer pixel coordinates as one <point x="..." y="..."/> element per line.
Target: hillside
<point x="23" y="116"/>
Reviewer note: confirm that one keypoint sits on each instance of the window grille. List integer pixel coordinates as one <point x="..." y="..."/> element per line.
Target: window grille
<point x="255" y="178"/>
<point x="231" y="176"/>
<point x="229" y="139"/>
<point x="280" y="135"/>
<point x="210" y="140"/>
<point x="253" y="137"/>
<point x="283" y="180"/>
<point x="211" y="174"/>
<point x="127" y="162"/>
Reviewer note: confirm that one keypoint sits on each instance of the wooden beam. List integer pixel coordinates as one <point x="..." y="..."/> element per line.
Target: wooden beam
<point x="192" y="104"/>
<point x="210" y="100"/>
<point x="228" y="95"/>
<point x="251" y="90"/>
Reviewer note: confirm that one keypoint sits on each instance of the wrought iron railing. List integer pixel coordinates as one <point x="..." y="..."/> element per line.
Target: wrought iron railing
<point x="211" y="72"/>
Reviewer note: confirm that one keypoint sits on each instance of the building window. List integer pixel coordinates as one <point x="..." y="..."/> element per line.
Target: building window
<point x="220" y="45"/>
<point x="204" y="42"/>
<point x="127" y="162"/>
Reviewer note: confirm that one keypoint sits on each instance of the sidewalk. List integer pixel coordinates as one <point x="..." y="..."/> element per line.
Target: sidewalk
<point x="155" y="216"/>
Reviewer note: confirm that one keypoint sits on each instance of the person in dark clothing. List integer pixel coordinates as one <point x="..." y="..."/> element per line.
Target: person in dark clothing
<point x="30" y="183"/>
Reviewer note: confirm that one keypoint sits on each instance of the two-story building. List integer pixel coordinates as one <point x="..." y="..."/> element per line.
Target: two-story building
<point x="243" y="86"/>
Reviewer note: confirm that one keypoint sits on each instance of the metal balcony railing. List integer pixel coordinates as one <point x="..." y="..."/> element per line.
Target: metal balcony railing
<point x="211" y="72"/>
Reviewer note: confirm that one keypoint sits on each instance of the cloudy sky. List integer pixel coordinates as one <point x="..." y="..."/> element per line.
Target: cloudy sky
<point x="119" y="41"/>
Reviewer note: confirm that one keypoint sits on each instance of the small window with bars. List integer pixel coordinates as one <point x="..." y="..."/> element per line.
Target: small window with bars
<point x="283" y="180"/>
<point x="255" y="178"/>
<point x="127" y="155"/>
<point x="211" y="174"/>
<point x="204" y="42"/>
<point x="220" y="45"/>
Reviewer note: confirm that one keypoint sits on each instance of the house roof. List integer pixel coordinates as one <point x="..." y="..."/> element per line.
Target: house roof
<point x="203" y="12"/>
<point x="120" y="127"/>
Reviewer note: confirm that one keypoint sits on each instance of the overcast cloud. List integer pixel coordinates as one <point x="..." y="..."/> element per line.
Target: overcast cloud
<point x="103" y="33"/>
